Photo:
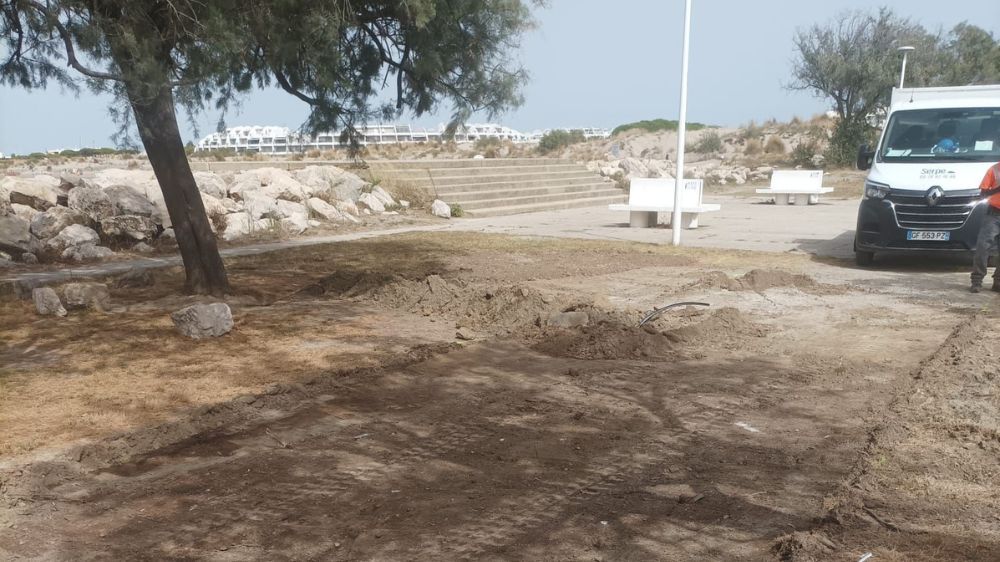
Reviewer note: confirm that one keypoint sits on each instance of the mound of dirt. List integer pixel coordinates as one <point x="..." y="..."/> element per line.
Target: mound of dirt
<point x="760" y="280"/>
<point x="608" y="340"/>
<point x="803" y="547"/>
<point x="488" y="308"/>
<point x="723" y="325"/>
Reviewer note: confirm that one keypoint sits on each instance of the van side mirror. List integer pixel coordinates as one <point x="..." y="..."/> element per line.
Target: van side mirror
<point x="865" y="157"/>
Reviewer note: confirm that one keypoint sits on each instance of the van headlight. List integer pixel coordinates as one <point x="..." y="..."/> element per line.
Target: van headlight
<point x="875" y="190"/>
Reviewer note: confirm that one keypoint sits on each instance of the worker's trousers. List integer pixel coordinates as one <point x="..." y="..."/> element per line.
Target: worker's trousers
<point x="986" y="246"/>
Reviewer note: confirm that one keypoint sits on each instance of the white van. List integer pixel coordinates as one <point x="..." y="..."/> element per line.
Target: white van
<point x="922" y="190"/>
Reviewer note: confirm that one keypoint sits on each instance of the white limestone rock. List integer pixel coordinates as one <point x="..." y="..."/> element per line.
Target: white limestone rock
<point x="128" y="201"/>
<point x="371" y="202"/>
<point x="383" y="196"/>
<point x="330" y="180"/>
<point x="39" y="192"/>
<point x="324" y="210"/>
<point x="23" y="212"/>
<point x="86" y="252"/>
<point x="47" y="302"/>
<point x="93" y="202"/>
<point x="440" y="209"/>
<point x="134" y="227"/>
<point x="73" y="235"/>
<point x="211" y="184"/>
<point x="272" y="183"/>
<point x="15" y="235"/>
<point x="290" y="210"/>
<point x="296" y="224"/>
<point x="204" y="320"/>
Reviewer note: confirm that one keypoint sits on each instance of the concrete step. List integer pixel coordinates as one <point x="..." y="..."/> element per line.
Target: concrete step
<point x="449" y="185"/>
<point x="565" y="189"/>
<point x="540" y="207"/>
<point x="537" y="199"/>
<point x="443" y="173"/>
<point x="465" y="163"/>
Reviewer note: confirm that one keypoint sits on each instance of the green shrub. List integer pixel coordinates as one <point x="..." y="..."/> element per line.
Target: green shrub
<point x="457" y="210"/>
<point x="558" y="140"/>
<point x="847" y="137"/>
<point x="803" y="153"/>
<point x="656" y="125"/>
<point x="709" y="143"/>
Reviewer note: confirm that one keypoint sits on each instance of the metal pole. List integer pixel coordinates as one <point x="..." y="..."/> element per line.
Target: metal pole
<point x="675" y="220"/>
<point x="902" y="73"/>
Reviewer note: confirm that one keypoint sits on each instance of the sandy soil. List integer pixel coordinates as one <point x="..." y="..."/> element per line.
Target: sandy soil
<point x="799" y="417"/>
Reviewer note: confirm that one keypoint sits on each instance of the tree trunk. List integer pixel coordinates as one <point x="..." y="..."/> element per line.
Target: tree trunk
<point x="157" y="122"/>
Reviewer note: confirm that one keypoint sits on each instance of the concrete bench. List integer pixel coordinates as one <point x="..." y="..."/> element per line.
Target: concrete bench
<point x="649" y="196"/>
<point x="805" y="186"/>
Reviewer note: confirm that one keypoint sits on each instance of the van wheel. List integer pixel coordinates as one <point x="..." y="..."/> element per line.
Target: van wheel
<point x="864" y="259"/>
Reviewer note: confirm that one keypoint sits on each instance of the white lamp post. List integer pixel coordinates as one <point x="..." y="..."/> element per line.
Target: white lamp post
<point x="902" y="73"/>
<point x="675" y="219"/>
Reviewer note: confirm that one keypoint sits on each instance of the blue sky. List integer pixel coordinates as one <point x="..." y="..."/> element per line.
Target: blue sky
<point x="593" y="63"/>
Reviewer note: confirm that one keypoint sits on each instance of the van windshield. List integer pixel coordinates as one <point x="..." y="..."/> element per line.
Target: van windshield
<point x="934" y="135"/>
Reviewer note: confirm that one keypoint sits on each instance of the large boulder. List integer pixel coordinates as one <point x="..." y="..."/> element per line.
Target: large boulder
<point x="296" y="224"/>
<point x="93" y="202"/>
<point x="51" y="222"/>
<point x="86" y="295"/>
<point x="71" y="236"/>
<point x="15" y="235"/>
<point x="47" y="302"/>
<point x="133" y="227"/>
<point x="86" y="252"/>
<point x="371" y="202"/>
<point x="204" y="320"/>
<point x="288" y="209"/>
<point x="440" y="209"/>
<point x="239" y="225"/>
<point x="330" y="180"/>
<point x="211" y="184"/>
<point x="23" y="211"/>
<point x="324" y="210"/>
<point x="383" y="196"/>
<point x="39" y="192"/>
<point x="271" y="183"/>
<point x="258" y="205"/>
<point x="128" y="201"/>
<point x="140" y="180"/>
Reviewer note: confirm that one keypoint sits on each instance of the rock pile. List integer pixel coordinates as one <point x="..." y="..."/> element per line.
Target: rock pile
<point x="81" y="218"/>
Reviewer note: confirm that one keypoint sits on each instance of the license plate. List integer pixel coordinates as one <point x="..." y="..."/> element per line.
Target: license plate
<point x="934" y="235"/>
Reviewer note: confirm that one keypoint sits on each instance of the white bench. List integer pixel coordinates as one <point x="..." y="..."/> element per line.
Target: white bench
<point x="804" y="185"/>
<point x="649" y="196"/>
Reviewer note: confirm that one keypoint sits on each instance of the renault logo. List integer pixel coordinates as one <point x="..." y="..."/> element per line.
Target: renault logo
<point x="934" y="195"/>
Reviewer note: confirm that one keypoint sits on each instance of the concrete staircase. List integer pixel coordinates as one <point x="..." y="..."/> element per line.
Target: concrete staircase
<point x="491" y="187"/>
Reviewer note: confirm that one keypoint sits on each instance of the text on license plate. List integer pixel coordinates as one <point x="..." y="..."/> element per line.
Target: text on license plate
<point x="936" y="235"/>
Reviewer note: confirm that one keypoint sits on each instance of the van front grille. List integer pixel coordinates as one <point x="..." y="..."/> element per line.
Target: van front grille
<point x="913" y="212"/>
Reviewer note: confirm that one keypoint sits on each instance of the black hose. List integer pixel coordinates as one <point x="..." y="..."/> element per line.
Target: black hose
<point x="657" y="311"/>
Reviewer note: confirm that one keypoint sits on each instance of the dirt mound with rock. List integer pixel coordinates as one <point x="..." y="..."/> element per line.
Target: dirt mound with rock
<point x="760" y="280"/>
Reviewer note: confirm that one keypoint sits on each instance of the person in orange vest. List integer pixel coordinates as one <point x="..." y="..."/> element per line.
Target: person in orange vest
<point x="986" y="244"/>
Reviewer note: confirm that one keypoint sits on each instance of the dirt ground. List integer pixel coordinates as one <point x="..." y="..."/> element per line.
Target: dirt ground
<point x="801" y="416"/>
